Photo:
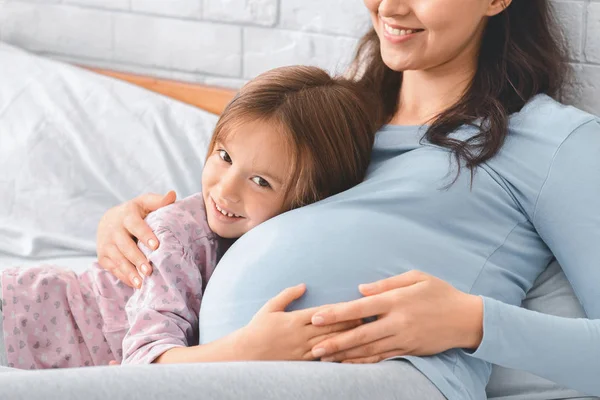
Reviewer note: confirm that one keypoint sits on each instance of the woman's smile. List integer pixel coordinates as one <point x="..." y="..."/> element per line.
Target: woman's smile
<point x="398" y="34"/>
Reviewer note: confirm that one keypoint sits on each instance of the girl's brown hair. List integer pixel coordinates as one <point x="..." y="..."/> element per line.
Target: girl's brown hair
<point x="328" y="123"/>
<point x="523" y="53"/>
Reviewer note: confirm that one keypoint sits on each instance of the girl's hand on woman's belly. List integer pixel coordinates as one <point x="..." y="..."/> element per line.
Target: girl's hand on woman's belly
<point x="274" y="334"/>
<point x="417" y="314"/>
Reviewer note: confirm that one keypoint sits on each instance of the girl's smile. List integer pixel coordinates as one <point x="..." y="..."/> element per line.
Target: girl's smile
<point x="224" y="215"/>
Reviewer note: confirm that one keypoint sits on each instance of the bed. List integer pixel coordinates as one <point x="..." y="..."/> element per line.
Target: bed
<point x="76" y="141"/>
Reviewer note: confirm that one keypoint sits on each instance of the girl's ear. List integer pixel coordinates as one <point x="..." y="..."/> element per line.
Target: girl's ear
<point x="497" y="6"/>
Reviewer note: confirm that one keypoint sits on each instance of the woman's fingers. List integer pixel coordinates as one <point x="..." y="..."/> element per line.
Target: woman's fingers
<point x="351" y="310"/>
<point x="117" y="252"/>
<point x="406" y="279"/>
<point x="317" y="334"/>
<point x="122" y="277"/>
<point x="308" y="356"/>
<point x="151" y="201"/>
<point x="108" y="265"/>
<point x="138" y="209"/>
<point x="124" y="270"/>
<point x="135" y="225"/>
<point x="359" y="336"/>
<point x="380" y="346"/>
<point x="133" y="254"/>
<point x="283" y="299"/>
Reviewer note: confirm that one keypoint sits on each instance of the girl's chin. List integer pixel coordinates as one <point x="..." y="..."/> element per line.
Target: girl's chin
<point x="226" y="231"/>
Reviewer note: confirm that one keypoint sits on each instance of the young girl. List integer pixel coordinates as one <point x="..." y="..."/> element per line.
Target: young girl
<point x="291" y="137"/>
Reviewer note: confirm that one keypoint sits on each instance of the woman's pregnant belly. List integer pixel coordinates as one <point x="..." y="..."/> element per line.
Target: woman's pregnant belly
<point x="391" y="223"/>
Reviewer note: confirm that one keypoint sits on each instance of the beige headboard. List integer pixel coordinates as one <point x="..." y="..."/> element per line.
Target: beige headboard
<point x="209" y="98"/>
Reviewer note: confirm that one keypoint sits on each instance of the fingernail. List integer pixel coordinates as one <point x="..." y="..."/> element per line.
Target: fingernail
<point x="152" y="244"/>
<point x="137" y="282"/>
<point x="327" y="359"/>
<point x="317" y="320"/>
<point x="365" y="287"/>
<point x="318" y="352"/>
<point x="145" y="270"/>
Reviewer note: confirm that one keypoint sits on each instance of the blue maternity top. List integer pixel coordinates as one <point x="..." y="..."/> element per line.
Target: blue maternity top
<point x="539" y="197"/>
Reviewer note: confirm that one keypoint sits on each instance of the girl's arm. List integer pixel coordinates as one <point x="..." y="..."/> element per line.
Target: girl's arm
<point x="272" y="334"/>
<point x="163" y="313"/>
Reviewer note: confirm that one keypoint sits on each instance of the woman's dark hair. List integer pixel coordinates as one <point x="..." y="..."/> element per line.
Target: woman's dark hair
<point x="523" y="53"/>
<point x="329" y="123"/>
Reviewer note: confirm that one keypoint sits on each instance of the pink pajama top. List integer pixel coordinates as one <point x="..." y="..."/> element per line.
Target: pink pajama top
<point x="55" y="318"/>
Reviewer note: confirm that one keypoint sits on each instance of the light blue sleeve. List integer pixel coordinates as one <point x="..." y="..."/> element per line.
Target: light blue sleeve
<point x="567" y="217"/>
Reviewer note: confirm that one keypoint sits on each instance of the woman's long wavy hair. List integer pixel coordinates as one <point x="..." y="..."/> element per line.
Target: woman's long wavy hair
<point x="523" y="53"/>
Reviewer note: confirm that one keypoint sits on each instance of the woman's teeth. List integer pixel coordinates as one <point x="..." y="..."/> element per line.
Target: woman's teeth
<point x="227" y="214"/>
<point x="399" y="32"/>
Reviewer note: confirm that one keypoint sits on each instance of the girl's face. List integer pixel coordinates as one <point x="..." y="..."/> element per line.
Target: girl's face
<point x="244" y="179"/>
<point x="426" y="34"/>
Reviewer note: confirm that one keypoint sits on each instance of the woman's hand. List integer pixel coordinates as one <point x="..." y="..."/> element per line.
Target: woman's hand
<point x="274" y="334"/>
<point x="417" y="314"/>
<point x="117" y="231"/>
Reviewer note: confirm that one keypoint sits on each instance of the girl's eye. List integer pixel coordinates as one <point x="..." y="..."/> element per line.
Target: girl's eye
<point x="224" y="156"/>
<point x="261" y="182"/>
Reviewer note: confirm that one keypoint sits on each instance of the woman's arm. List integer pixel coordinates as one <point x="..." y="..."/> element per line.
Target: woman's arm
<point x="163" y="313"/>
<point x="563" y="350"/>
<point x="567" y="217"/>
<point x="421" y="315"/>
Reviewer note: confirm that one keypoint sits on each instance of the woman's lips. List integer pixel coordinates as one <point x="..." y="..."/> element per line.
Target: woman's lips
<point x="398" y="34"/>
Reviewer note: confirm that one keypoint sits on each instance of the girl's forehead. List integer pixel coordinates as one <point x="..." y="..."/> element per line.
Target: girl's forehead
<point x="268" y="135"/>
<point x="261" y="146"/>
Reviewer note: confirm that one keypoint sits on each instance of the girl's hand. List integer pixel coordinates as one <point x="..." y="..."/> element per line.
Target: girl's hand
<point x="274" y="334"/>
<point x="417" y="314"/>
<point x="117" y="231"/>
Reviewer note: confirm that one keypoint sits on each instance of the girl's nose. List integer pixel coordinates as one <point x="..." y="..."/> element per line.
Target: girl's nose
<point x="229" y="188"/>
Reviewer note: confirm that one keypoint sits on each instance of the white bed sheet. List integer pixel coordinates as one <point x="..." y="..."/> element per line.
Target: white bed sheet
<point x="73" y="144"/>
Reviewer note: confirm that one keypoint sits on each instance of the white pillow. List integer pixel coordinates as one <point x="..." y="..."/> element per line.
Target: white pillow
<point x="73" y="144"/>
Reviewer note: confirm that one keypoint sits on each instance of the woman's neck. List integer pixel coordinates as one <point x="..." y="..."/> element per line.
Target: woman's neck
<point x="425" y="94"/>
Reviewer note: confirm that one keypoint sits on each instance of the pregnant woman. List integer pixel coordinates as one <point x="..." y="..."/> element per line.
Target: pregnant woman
<point x="478" y="179"/>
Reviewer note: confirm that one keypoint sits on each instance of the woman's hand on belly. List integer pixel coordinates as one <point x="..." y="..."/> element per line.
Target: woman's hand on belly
<point x="417" y="314"/>
<point x="274" y="334"/>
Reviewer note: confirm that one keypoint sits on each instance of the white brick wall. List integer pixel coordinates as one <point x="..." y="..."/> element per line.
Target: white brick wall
<point x="226" y="42"/>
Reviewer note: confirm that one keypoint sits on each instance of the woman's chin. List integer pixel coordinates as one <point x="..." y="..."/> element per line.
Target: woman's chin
<point x="397" y="61"/>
